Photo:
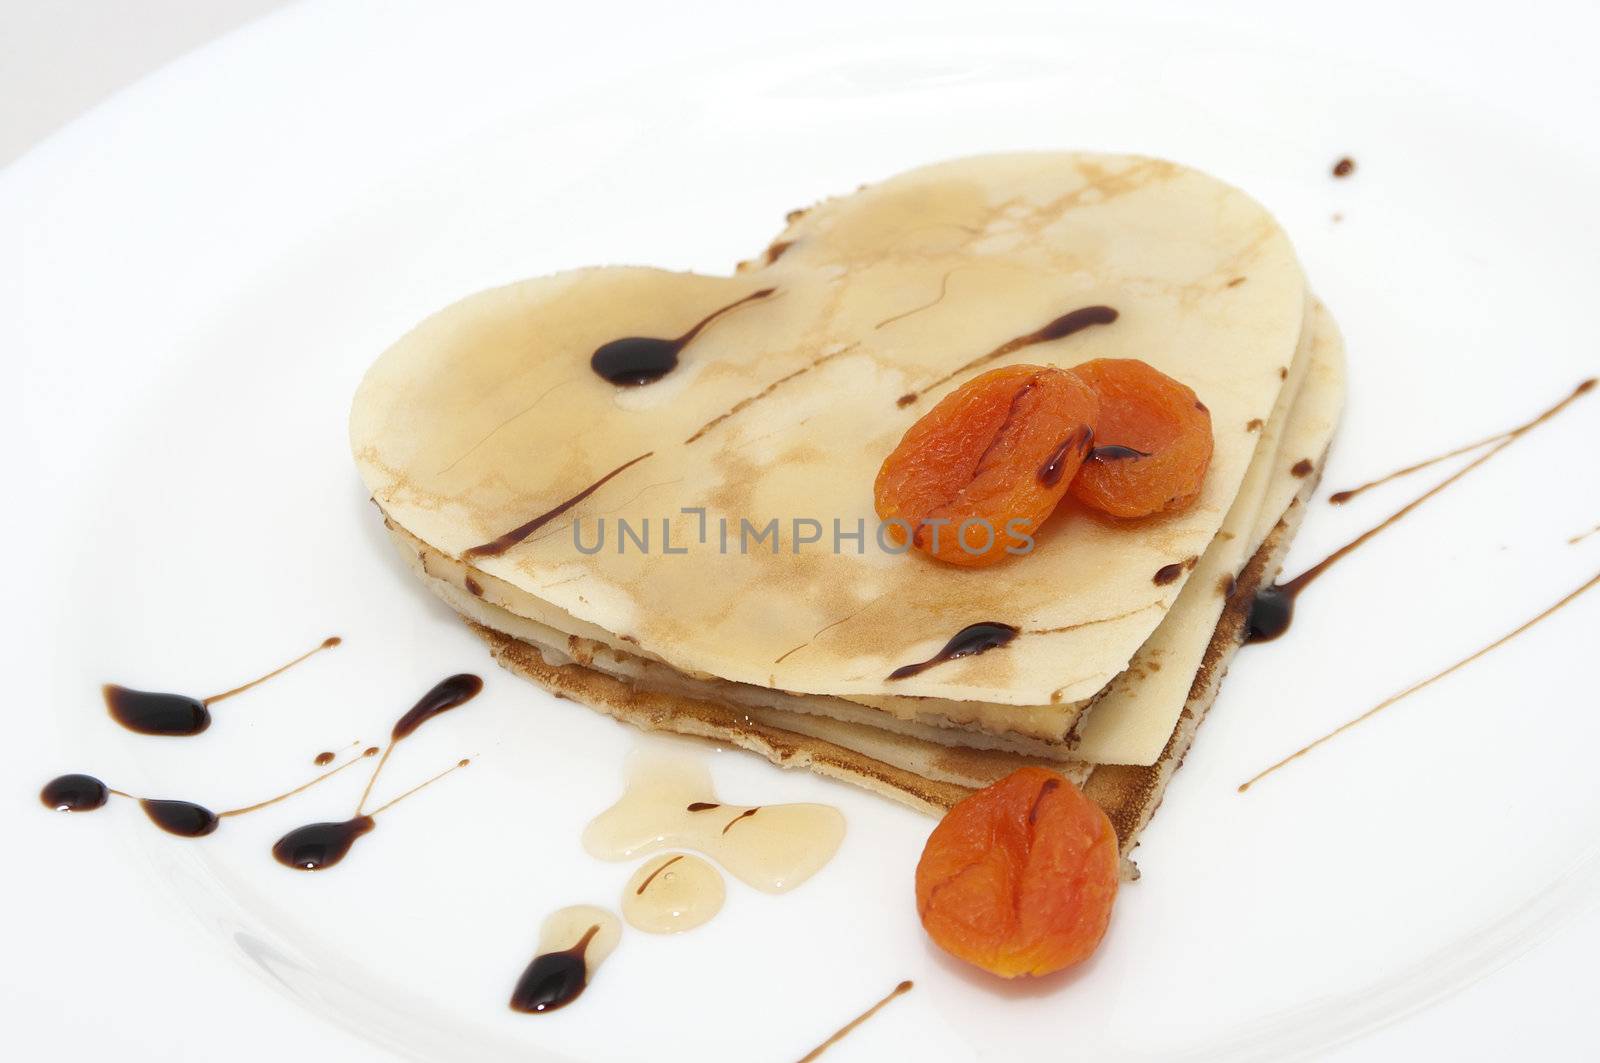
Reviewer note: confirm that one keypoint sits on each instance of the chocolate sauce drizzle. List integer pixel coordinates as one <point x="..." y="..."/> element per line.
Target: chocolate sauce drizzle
<point x="1060" y="328"/>
<point x="1344" y="167"/>
<point x="150" y="713"/>
<point x="85" y="793"/>
<point x="1338" y="498"/>
<point x="554" y="979"/>
<point x="1114" y="452"/>
<point x="1272" y="611"/>
<point x="498" y="546"/>
<point x="316" y="846"/>
<point x="1408" y="691"/>
<point x="1055" y="465"/>
<point x="636" y="360"/>
<point x="968" y="642"/>
<point x="899" y="990"/>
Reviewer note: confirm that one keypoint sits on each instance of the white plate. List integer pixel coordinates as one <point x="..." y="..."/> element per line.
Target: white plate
<point x="198" y="273"/>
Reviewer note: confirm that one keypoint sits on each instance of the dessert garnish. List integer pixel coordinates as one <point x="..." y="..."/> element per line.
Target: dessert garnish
<point x="1020" y="878"/>
<point x="973" y="479"/>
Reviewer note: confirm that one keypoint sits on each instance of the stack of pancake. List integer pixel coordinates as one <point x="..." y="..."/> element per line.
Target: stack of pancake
<point x="500" y="458"/>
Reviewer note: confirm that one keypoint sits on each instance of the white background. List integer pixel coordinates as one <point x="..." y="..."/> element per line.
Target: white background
<point x="57" y="56"/>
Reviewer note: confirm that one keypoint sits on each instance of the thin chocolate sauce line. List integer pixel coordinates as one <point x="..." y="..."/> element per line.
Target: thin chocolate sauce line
<point x="899" y="990"/>
<point x="746" y="814"/>
<point x="1273" y="608"/>
<point x="1340" y="497"/>
<point x="688" y="337"/>
<point x="326" y="644"/>
<point x="1581" y="536"/>
<point x="1060" y="328"/>
<point x="463" y="762"/>
<point x="944" y="285"/>
<point x="1415" y="687"/>
<point x="652" y="876"/>
<point x="498" y="546"/>
<point x="634" y="361"/>
<point x="302" y="788"/>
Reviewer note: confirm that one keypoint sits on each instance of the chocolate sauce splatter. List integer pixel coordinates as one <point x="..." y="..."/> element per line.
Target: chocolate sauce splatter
<point x="637" y="360"/>
<point x="179" y="715"/>
<point x="968" y="642"/>
<point x="1273" y="609"/>
<point x="187" y="819"/>
<point x="322" y="845"/>
<point x="1344" y="167"/>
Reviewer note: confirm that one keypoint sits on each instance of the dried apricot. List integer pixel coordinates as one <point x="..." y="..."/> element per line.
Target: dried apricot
<point x="1020" y="877"/>
<point x="979" y="472"/>
<point x="1153" y="441"/>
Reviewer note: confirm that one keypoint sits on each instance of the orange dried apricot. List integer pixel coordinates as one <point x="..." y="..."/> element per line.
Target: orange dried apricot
<point x="1020" y="877"/>
<point x="1155" y="440"/>
<point x="982" y="470"/>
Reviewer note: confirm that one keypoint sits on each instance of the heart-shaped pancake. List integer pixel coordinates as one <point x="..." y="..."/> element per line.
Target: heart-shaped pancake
<point x="488" y="435"/>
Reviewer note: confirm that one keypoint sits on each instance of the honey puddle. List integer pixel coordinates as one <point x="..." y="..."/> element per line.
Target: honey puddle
<point x="671" y="893"/>
<point x="670" y="803"/>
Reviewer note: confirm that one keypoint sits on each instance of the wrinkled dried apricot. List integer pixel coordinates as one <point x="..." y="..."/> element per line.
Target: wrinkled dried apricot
<point x="978" y="473"/>
<point x="1020" y="877"/>
<point x="1156" y="440"/>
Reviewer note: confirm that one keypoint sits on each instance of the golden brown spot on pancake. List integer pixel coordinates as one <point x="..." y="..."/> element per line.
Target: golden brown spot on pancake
<point x="473" y="586"/>
<point x="1225" y="585"/>
<point x="1236" y="282"/>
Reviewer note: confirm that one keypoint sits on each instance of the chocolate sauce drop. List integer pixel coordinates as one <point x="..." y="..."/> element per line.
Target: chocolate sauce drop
<point x="637" y="360"/>
<point x="554" y="979"/>
<point x="323" y="759"/>
<point x="1167" y="573"/>
<point x="74" y="792"/>
<point x="702" y="806"/>
<point x="183" y="818"/>
<point x="1271" y="612"/>
<point x="968" y="642"/>
<point x="1344" y="167"/>
<point x="1055" y="465"/>
<point x="1114" y="452"/>
<point x="444" y="696"/>
<point x="150" y="713"/>
<point x="319" y="845"/>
